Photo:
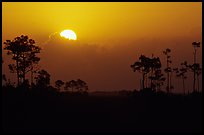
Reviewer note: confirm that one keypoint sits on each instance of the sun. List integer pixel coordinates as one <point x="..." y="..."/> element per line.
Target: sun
<point x="69" y="34"/>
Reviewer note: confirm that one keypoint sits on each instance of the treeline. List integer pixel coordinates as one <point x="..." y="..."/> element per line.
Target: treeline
<point x="24" y="52"/>
<point x="153" y="77"/>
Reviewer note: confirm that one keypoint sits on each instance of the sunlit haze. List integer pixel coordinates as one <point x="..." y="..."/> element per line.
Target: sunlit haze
<point x="110" y="37"/>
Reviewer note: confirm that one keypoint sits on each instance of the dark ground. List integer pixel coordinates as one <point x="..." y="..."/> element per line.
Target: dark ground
<point x="38" y="112"/>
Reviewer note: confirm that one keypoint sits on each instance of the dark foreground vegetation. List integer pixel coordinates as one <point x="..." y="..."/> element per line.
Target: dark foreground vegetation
<point x="38" y="111"/>
<point x="33" y="105"/>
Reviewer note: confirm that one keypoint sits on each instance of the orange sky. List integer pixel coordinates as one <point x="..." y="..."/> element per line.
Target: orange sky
<point x="111" y="36"/>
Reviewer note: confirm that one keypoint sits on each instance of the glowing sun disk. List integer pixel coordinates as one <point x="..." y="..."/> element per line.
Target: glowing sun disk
<point x="69" y="34"/>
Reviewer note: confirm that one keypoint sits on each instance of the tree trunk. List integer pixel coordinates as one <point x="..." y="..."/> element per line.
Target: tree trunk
<point x="17" y="69"/>
<point x="194" y="74"/>
<point x="140" y="84"/>
<point x="24" y="69"/>
<point x="143" y="80"/>
<point x="194" y="80"/>
<point x="167" y="82"/>
<point x="198" y="82"/>
<point x="146" y="81"/>
<point x="31" y="77"/>
<point x="167" y="63"/>
<point x="184" y="87"/>
<point x="170" y="82"/>
<point x="151" y="78"/>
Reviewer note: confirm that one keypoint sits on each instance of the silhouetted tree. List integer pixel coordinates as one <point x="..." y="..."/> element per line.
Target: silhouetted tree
<point x="198" y="73"/>
<point x="168" y="69"/>
<point x="175" y="70"/>
<point x="34" y="69"/>
<point x="72" y="84"/>
<point x="150" y="66"/>
<point x="23" y="51"/>
<point x="181" y="72"/>
<point x="42" y="79"/>
<point x="156" y="76"/>
<point x="198" y="70"/>
<point x="158" y="79"/>
<point x="195" y="65"/>
<point x="142" y="66"/>
<point x="81" y="85"/>
<point x="78" y="85"/>
<point x="59" y="84"/>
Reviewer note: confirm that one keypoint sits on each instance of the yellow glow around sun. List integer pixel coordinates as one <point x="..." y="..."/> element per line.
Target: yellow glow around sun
<point x="69" y="34"/>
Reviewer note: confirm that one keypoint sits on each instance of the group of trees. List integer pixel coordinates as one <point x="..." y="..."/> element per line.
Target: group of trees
<point x="24" y="53"/>
<point x="73" y="85"/>
<point x="182" y="73"/>
<point x="151" y="69"/>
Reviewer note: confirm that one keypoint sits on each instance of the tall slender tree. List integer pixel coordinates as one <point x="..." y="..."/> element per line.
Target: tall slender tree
<point x="198" y="73"/>
<point x="181" y="73"/>
<point x="195" y="46"/>
<point x="168" y="68"/>
<point x="198" y="70"/>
